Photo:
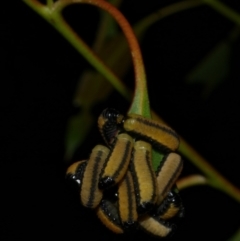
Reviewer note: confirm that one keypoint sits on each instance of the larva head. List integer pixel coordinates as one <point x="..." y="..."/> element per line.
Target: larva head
<point x="110" y="116"/>
<point x="109" y="123"/>
<point x="171" y="207"/>
<point x="75" y="171"/>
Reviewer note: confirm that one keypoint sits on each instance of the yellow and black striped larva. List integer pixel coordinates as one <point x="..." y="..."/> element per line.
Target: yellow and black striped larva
<point x="144" y="176"/>
<point x="168" y="173"/>
<point x="86" y="173"/>
<point x="117" y="162"/>
<point x="127" y="205"/>
<point x="90" y="194"/>
<point x="159" y="135"/>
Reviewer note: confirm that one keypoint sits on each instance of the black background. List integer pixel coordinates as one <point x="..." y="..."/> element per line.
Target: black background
<point x="39" y="72"/>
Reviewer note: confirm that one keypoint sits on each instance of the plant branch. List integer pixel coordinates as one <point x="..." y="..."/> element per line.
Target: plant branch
<point x="214" y="178"/>
<point x="49" y="3"/>
<point x="224" y="10"/>
<point x="57" y="21"/>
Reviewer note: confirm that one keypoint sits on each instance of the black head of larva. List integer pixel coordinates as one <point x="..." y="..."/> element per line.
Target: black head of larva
<point x="112" y="115"/>
<point x="75" y="172"/>
<point x="106" y="183"/>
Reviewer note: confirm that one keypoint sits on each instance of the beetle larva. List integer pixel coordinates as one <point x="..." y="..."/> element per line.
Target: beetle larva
<point x="160" y="135"/>
<point x="167" y="174"/>
<point x="144" y="176"/>
<point x="127" y="202"/>
<point x="90" y="194"/>
<point x="117" y="162"/>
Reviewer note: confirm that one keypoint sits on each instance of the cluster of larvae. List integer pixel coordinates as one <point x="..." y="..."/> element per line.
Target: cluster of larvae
<point x="118" y="180"/>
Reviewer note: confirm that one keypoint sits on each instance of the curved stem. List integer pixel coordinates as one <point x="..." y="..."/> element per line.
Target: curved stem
<point x="140" y="103"/>
<point x="161" y="13"/>
<point x="224" y="10"/>
<point x="215" y="179"/>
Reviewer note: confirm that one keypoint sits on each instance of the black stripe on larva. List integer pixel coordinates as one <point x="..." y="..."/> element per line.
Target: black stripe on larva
<point x="129" y="196"/>
<point x="94" y="180"/>
<point x="142" y="208"/>
<point x="135" y="180"/>
<point x="126" y="153"/>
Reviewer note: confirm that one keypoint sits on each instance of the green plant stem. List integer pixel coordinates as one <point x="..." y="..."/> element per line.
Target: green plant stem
<point x="236" y="236"/>
<point x="215" y="179"/>
<point x="143" y="24"/>
<point x="49" y="3"/>
<point x="224" y="10"/>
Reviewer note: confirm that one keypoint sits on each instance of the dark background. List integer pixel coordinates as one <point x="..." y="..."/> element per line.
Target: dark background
<point x="39" y="72"/>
